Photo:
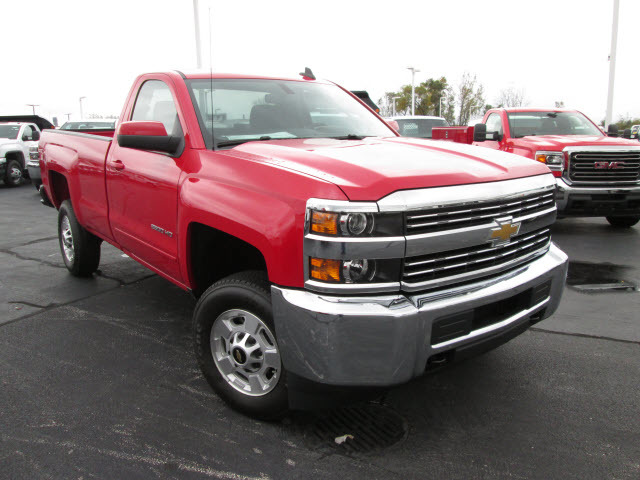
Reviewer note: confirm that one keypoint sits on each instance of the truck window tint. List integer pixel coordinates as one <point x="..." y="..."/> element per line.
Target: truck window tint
<point x="155" y="104"/>
<point x="420" y="127"/>
<point x="27" y="133"/>
<point x="9" y="131"/>
<point x="494" y="124"/>
<point x="524" y="124"/>
<point x="236" y="109"/>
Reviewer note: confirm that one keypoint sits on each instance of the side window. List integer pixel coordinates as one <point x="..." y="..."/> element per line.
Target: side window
<point x="155" y="104"/>
<point x="494" y="124"/>
<point x="27" y="133"/>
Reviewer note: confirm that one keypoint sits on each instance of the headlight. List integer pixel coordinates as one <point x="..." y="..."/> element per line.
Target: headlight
<point x="351" y="245"/>
<point x="33" y="153"/>
<point x="554" y="160"/>
<point x="353" y="224"/>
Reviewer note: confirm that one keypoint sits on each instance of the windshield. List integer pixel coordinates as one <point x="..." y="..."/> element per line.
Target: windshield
<point x="419" y="127"/>
<point x="89" y="125"/>
<point x="523" y="124"/>
<point x="9" y="131"/>
<point x="242" y="110"/>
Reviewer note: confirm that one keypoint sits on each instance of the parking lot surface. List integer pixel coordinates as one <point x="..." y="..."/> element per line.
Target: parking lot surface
<point x="98" y="380"/>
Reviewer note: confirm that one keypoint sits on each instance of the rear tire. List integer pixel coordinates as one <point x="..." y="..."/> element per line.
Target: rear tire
<point x="13" y="175"/>
<point x="623" y="222"/>
<point x="80" y="249"/>
<point x="236" y="347"/>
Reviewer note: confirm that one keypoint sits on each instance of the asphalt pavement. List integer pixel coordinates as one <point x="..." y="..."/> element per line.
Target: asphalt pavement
<point x="98" y="380"/>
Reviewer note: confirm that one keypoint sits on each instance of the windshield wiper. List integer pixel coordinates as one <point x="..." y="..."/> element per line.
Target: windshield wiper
<point x="351" y="136"/>
<point x="240" y="141"/>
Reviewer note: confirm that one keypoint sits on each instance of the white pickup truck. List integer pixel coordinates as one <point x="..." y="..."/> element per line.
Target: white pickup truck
<point x="19" y="137"/>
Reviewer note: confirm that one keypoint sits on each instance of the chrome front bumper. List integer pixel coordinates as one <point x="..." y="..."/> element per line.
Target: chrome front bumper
<point x="386" y="340"/>
<point x="33" y="167"/>
<point x="595" y="201"/>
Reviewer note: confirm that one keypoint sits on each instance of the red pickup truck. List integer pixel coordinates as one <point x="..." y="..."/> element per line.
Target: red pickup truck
<point x="325" y="251"/>
<point x="596" y="175"/>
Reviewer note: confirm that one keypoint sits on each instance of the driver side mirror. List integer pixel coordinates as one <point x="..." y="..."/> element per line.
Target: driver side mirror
<point x="626" y="133"/>
<point x="26" y="138"/>
<point x="35" y="137"/>
<point x="147" y="136"/>
<point x="479" y="132"/>
<point x="612" y="131"/>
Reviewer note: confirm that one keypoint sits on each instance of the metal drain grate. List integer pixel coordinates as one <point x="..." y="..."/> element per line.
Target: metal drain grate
<point x="369" y="428"/>
<point x="599" y="277"/>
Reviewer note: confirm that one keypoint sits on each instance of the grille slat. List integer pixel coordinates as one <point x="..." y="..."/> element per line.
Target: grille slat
<point x="443" y="265"/>
<point x="465" y="215"/>
<point x="604" y="167"/>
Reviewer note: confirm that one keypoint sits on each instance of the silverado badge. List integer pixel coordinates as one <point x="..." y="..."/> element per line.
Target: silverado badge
<point x="503" y="233"/>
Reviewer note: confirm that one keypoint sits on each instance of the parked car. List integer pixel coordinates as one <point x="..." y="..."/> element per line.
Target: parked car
<point x="635" y="132"/>
<point x="324" y="255"/>
<point x="597" y="175"/>
<point x="418" y="126"/>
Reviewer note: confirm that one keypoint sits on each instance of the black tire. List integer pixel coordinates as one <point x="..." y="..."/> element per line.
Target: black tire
<point x="84" y="246"/>
<point x="623" y="222"/>
<point x="247" y="292"/>
<point x="11" y="178"/>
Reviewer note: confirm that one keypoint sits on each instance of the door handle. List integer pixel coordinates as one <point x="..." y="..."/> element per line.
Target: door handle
<point x="117" y="165"/>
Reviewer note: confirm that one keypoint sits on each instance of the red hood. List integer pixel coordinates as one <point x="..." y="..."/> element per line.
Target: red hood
<point x="372" y="168"/>
<point x="558" y="142"/>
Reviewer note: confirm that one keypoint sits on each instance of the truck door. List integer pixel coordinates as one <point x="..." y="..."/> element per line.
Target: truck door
<point x="495" y="127"/>
<point x="142" y="186"/>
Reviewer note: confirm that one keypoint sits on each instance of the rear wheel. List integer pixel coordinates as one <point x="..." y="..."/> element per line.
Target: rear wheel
<point x="13" y="175"/>
<point x="80" y="249"/>
<point x="236" y="347"/>
<point x="623" y="222"/>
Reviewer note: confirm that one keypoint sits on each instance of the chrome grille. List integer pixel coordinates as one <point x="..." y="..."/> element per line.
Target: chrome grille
<point x="456" y="266"/>
<point x="604" y="167"/>
<point x="437" y="219"/>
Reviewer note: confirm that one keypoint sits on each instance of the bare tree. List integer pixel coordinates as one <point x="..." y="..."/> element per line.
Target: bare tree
<point x="512" y="97"/>
<point x="470" y="98"/>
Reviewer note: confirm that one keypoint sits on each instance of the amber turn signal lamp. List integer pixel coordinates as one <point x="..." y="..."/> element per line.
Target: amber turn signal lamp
<point x="322" y="222"/>
<point x="325" y="270"/>
<point x="541" y="158"/>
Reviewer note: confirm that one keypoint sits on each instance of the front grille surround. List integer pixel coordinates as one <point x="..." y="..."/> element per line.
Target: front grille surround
<point x="436" y="270"/>
<point x="438" y="219"/>
<point x="582" y="167"/>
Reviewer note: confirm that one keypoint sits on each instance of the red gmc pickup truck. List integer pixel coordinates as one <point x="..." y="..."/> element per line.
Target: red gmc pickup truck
<point x="325" y="251"/>
<point x="596" y="175"/>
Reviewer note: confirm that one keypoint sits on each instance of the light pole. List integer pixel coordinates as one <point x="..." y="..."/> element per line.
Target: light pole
<point x="413" y="89"/>
<point x="81" y="115"/>
<point x="33" y="106"/>
<point x="612" y="63"/>
<point x="196" y="23"/>
<point x="68" y="116"/>
<point x="393" y="99"/>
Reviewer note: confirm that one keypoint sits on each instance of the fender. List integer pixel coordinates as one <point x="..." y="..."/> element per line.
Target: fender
<point x="274" y="224"/>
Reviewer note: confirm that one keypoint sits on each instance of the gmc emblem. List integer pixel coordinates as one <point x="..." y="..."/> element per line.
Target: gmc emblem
<point x="607" y="165"/>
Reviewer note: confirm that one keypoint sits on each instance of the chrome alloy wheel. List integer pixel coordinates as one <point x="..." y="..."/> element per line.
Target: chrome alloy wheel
<point x="15" y="174"/>
<point x="245" y="352"/>
<point x="67" y="239"/>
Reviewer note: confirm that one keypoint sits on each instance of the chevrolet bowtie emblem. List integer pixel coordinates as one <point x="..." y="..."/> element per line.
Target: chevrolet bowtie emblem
<point x="504" y="232"/>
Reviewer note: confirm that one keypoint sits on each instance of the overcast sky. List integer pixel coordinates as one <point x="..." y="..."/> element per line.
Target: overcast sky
<point x="56" y="51"/>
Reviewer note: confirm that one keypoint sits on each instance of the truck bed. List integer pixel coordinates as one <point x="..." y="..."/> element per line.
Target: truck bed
<point x="72" y="153"/>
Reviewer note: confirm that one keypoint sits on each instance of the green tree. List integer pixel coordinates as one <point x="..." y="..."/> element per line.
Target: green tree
<point x="470" y="98"/>
<point x="427" y="98"/>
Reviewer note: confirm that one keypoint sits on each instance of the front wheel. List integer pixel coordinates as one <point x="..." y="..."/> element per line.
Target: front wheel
<point x="80" y="249"/>
<point x="236" y="346"/>
<point x="623" y="222"/>
<point x="13" y="175"/>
